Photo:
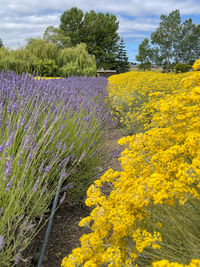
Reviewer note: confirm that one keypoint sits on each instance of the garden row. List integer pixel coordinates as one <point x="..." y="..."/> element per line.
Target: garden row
<point x="48" y="128"/>
<point x="151" y="211"/>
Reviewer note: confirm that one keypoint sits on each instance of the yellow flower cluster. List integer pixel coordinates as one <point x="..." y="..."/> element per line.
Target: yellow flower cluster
<point x="47" y="78"/>
<point x="133" y="95"/>
<point x="196" y="65"/>
<point x="165" y="263"/>
<point x="160" y="166"/>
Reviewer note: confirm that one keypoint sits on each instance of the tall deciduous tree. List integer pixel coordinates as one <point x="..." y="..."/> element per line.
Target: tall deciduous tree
<point x="97" y="30"/>
<point x="100" y="35"/>
<point x="56" y="37"/>
<point x="71" y="23"/>
<point x="167" y="37"/>
<point x="145" y="55"/>
<point x="122" y="59"/>
<point x="189" y="47"/>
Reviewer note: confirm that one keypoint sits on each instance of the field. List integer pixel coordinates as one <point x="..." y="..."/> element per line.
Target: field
<point x="143" y="209"/>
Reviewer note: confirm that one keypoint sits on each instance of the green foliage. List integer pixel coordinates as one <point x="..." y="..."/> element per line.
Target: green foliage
<point x="189" y="47"/>
<point x="41" y="49"/>
<point x="179" y="228"/>
<point x="97" y="30"/>
<point x="71" y="23"/>
<point x="19" y="60"/>
<point x="145" y="55"/>
<point x="76" y="61"/>
<point x="46" y="68"/>
<point x="181" y="67"/>
<point x="47" y="60"/>
<point x="122" y="59"/>
<point x="1" y="43"/>
<point x="29" y="60"/>
<point x="56" y="37"/>
<point x="167" y="35"/>
<point x="172" y="42"/>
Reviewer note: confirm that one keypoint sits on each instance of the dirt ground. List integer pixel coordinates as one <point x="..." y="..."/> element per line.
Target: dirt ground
<point x="65" y="232"/>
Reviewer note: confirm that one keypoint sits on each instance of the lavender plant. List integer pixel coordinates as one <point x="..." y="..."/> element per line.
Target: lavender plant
<point x="45" y="126"/>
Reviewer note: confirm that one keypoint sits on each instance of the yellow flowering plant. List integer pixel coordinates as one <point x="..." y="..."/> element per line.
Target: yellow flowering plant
<point x="133" y="96"/>
<point x="160" y="169"/>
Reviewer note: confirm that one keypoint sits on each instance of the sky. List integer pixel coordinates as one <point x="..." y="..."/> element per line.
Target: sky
<point x="22" y="19"/>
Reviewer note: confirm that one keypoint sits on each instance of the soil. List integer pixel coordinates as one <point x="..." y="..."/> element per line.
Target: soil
<point x="65" y="232"/>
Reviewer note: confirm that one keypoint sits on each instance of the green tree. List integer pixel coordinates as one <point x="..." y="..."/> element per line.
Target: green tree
<point x="189" y="46"/>
<point x="71" y="23"/>
<point x="122" y="59"/>
<point x="145" y="55"/>
<point x="97" y="30"/>
<point x="167" y="38"/>
<point x="102" y="40"/>
<point x="56" y="37"/>
<point x="41" y="49"/>
<point x="75" y="61"/>
<point x="1" y="43"/>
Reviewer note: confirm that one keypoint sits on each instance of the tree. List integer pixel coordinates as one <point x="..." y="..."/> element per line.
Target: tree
<point x="102" y="40"/>
<point x="1" y="43"/>
<point x="122" y="59"/>
<point x="189" y="46"/>
<point x="167" y="37"/>
<point x="75" y="61"/>
<point x="145" y="55"/>
<point x="97" y="30"/>
<point x="41" y="49"/>
<point x="71" y="23"/>
<point x="56" y="37"/>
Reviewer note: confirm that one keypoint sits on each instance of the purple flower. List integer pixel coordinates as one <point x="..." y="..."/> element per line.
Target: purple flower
<point x="28" y="140"/>
<point x="1" y="148"/>
<point x="45" y="188"/>
<point x="93" y="154"/>
<point x="41" y="167"/>
<point x="9" y="184"/>
<point x="1" y="242"/>
<point x="8" y="167"/>
<point x="21" y="182"/>
<point x="10" y="140"/>
<point x="63" y="198"/>
<point x="47" y="169"/>
<point x="70" y="185"/>
<point x="84" y="140"/>
<point x="18" y="257"/>
<point x="20" y="159"/>
<point x="71" y="147"/>
<point x="36" y="184"/>
<point x="28" y="161"/>
<point x="82" y="157"/>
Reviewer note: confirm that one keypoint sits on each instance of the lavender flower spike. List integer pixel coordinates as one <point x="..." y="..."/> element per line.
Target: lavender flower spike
<point x="9" y="184"/>
<point x="36" y="184"/>
<point x="63" y="198"/>
<point x="1" y="242"/>
<point x="18" y="257"/>
<point x="82" y="156"/>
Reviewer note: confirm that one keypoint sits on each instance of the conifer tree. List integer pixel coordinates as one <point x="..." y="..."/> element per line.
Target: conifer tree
<point x="122" y="63"/>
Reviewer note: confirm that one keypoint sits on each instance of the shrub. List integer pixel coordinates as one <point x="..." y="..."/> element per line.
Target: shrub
<point x="181" y="68"/>
<point x="158" y="188"/>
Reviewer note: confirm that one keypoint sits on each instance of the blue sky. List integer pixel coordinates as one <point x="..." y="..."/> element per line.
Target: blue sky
<point x="22" y="19"/>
